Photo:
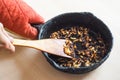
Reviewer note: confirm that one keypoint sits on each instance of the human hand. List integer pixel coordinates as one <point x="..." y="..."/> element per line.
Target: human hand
<point x="6" y="40"/>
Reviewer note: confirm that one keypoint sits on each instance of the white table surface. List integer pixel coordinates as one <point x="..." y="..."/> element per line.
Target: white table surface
<point x="29" y="64"/>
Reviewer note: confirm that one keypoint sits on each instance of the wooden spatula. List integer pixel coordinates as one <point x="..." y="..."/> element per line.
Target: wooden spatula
<point x="52" y="46"/>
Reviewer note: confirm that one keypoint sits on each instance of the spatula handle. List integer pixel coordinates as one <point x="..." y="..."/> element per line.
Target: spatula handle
<point x="20" y="42"/>
<point x="52" y="46"/>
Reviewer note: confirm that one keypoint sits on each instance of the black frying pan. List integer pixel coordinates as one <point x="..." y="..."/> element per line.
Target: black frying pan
<point x="71" y="19"/>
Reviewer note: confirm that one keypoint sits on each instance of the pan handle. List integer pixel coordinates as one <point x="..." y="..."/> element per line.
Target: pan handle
<point x="38" y="27"/>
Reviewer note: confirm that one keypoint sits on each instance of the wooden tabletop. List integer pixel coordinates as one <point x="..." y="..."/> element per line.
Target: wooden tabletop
<point x="30" y="64"/>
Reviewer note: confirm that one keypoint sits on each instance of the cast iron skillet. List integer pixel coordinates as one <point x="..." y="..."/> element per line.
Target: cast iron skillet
<point x="74" y="19"/>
